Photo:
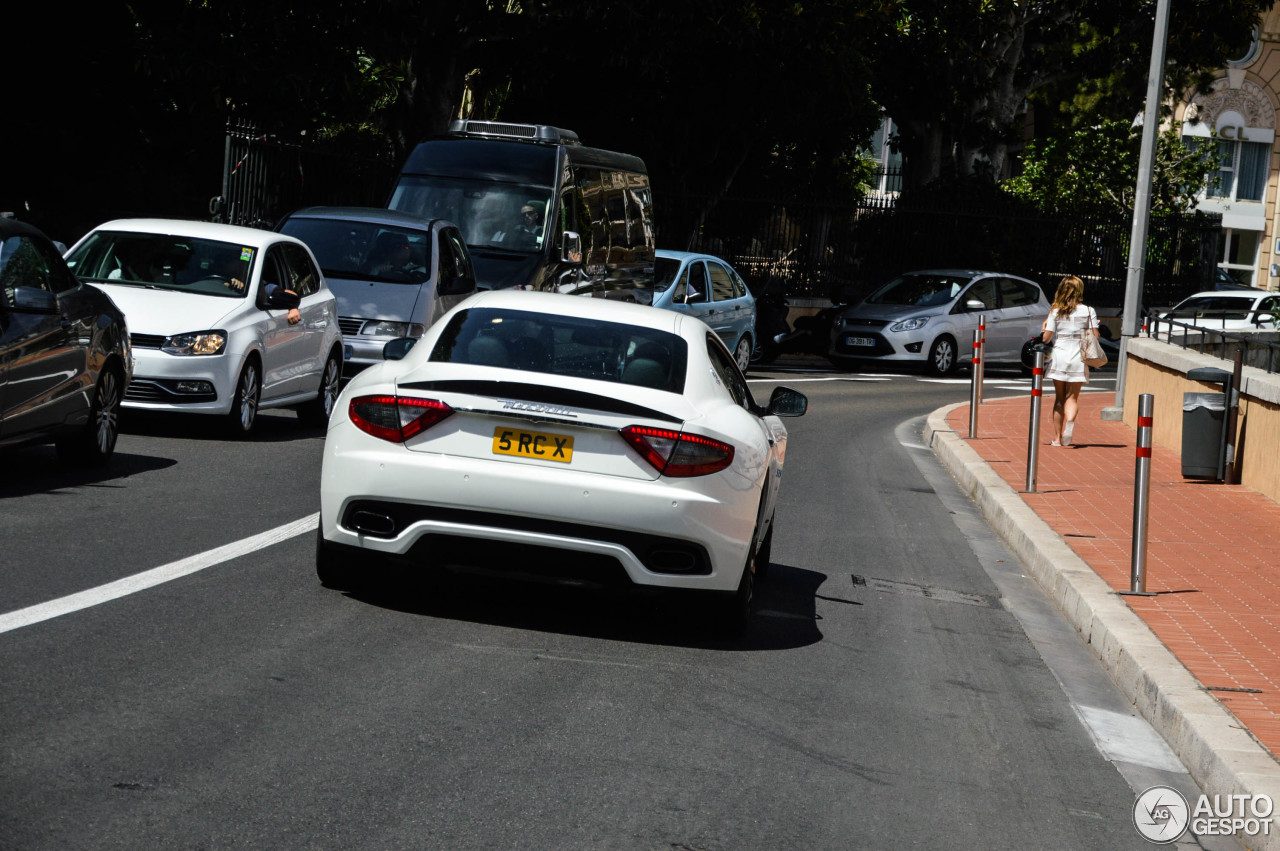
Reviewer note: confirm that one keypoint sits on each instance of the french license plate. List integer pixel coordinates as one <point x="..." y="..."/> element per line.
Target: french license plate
<point x="533" y="444"/>
<point x="859" y="341"/>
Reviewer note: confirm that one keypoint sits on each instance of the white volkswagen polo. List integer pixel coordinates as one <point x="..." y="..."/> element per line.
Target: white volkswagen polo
<point x="224" y="320"/>
<point x="560" y="438"/>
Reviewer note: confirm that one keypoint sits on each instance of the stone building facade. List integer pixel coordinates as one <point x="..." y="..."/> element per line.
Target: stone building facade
<point x="1239" y="112"/>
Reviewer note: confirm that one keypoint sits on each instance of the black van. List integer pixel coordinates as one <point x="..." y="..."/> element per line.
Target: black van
<point x="537" y="209"/>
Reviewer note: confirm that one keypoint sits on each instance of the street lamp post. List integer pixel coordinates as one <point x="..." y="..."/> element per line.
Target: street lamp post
<point x="1131" y="320"/>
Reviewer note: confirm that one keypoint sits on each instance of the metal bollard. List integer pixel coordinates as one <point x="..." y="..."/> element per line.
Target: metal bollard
<point x="1033" y="429"/>
<point x="1141" y="498"/>
<point x="975" y="385"/>
<point x="980" y="365"/>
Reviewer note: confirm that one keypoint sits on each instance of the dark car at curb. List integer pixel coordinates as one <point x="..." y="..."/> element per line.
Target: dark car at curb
<point x="65" y="359"/>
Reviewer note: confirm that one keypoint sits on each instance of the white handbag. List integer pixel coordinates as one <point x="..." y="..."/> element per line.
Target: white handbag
<point x="1091" y="351"/>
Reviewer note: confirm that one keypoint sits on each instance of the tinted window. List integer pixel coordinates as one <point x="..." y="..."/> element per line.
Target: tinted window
<point x="984" y="291"/>
<point x="1017" y="294"/>
<point x="721" y="283"/>
<point x="302" y="275"/>
<point x="725" y="367"/>
<point x="1218" y="307"/>
<point x="564" y="345"/>
<point x="919" y="290"/>
<point x="664" y="271"/>
<point x="190" y="264"/>
<point x="22" y="264"/>
<point x="364" y="250"/>
<point x="699" y="287"/>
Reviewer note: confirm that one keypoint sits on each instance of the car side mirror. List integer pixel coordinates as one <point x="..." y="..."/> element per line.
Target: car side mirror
<point x="1263" y="318"/>
<point x="974" y="304"/>
<point x="457" y="285"/>
<point x="34" y="300"/>
<point x="278" y="298"/>
<point x="786" y="402"/>
<point x="570" y="247"/>
<point x="399" y="347"/>
<point x="694" y="296"/>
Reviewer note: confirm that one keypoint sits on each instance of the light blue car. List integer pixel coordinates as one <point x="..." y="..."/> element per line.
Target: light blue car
<point x="705" y="286"/>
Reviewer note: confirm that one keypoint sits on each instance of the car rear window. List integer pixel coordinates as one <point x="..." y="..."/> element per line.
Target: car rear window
<point x="569" y="346"/>
<point x="1218" y="307"/>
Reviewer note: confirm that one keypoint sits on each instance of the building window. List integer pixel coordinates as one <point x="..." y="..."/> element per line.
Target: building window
<point x="1240" y="254"/>
<point x="1242" y="172"/>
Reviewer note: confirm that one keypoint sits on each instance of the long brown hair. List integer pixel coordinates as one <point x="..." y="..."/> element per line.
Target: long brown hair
<point x="1070" y="293"/>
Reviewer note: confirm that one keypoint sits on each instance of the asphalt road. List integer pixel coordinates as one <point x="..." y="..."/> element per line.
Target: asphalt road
<point x="899" y="687"/>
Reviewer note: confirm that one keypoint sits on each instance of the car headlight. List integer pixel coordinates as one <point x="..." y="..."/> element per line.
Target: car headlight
<point x="195" y="343"/>
<point x="910" y="324"/>
<point x="382" y="328"/>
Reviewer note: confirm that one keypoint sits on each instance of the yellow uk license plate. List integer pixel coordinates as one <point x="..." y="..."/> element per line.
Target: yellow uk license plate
<point x="532" y="444"/>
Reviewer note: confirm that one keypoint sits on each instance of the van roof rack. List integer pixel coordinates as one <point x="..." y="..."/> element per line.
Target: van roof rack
<point x="526" y="132"/>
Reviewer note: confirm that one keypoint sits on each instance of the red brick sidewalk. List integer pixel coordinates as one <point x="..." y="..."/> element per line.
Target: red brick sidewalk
<point x="1213" y="550"/>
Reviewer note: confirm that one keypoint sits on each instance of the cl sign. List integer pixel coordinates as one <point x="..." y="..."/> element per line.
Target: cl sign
<point x="1231" y="133"/>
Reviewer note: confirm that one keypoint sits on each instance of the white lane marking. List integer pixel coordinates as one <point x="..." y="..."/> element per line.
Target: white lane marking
<point x="155" y="576"/>
<point x="1126" y="738"/>
<point x="800" y="380"/>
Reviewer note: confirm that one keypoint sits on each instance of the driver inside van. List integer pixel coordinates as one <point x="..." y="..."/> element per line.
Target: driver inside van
<point x="526" y="228"/>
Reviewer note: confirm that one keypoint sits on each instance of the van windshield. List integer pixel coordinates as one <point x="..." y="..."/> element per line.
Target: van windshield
<point x="491" y="215"/>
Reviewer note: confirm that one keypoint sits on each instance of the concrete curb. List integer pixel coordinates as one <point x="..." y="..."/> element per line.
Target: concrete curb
<point x="1221" y="756"/>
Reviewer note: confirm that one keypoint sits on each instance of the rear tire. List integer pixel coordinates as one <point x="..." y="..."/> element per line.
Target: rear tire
<point x="93" y="443"/>
<point x="742" y="354"/>
<point x="335" y="566"/>
<point x="317" y="411"/>
<point x="764" y="353"/>
<point x="732" y="611"/>
<point x="765" y="554"/>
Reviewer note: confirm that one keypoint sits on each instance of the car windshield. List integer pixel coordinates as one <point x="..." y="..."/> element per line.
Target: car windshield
<point x="164" y="261"/>
<point x="491" y="215"/>
<point x="665" y="270"/>
<point x="919" y="290"/>
<point x="564" y="345"/>
<point x="365" y="251"/>
<point x="1216" y="307"/>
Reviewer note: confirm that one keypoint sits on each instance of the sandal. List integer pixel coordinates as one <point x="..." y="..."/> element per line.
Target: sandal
<point x="1055" y="443"/>
<point x="1066" y="433"/>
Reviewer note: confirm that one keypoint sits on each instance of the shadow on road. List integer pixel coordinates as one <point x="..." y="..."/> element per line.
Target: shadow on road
<point x="37" y="469"/>
<point x="271" y="427"/>
<point x="783" y="613"/>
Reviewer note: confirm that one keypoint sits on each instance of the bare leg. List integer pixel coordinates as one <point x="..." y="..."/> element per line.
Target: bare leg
<point x="1059" y="409"/>
<point x="1070" y="407"/>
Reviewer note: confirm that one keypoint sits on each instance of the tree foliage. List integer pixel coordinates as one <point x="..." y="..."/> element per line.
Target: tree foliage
<point x="956" y="76"/>
<point x="1097" y="169"/>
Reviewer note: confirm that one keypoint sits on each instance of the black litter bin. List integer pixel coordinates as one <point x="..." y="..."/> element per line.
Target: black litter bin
<point x="1203" y="418"/>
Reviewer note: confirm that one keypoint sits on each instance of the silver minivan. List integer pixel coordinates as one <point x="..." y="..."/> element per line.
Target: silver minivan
<point x="928" y="318"/>
<point x="393" y="274"/>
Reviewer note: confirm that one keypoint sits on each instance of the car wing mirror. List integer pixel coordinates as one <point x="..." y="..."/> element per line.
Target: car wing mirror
<point x="786" y="402"/>
<point x="1264" y="318"/>
<point x="399" y="347"/>
<point x="975" y="304"/>
<point x="34" y="300"/>
<point x="570" y="247"/>
<point x="694" y="296"/>
<point x="457" y="285"/>
<point x="278" y="298"/>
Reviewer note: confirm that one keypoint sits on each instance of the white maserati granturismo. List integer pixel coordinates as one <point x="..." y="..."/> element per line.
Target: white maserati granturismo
<point x="560" y="438"/>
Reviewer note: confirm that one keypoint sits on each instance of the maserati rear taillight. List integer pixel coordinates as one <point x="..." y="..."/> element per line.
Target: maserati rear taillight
<point x="396" y="418"/>
<point x="674" y="454"/>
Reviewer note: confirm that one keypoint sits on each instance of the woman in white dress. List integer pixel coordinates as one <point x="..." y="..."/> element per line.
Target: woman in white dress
<point x="1068" y="321"/>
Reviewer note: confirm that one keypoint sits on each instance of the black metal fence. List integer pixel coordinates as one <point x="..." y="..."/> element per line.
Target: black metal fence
<point x="839" y="250"/>
<point x="811" y="247"/>
<point x="265" y="177"/>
